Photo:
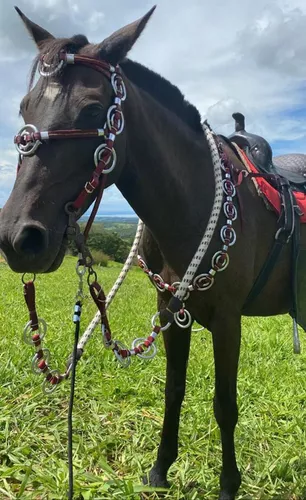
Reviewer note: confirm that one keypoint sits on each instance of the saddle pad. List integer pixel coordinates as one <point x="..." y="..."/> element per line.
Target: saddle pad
<point x="271" y="194"/>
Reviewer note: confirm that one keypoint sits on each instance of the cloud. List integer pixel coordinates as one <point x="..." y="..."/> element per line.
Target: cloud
<point x="225" y="56"/>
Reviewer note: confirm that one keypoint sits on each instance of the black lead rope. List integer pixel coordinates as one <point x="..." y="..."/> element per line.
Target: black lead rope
<point x="76" y="320"/>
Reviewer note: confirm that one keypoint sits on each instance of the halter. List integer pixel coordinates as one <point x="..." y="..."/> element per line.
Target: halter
<point x="29" y="138"/>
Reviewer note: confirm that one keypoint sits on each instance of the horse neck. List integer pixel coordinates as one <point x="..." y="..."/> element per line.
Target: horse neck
<point x="168" y="176"/>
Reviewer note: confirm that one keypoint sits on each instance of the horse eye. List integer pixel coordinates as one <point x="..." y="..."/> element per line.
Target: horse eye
<point x="93" y="110"/>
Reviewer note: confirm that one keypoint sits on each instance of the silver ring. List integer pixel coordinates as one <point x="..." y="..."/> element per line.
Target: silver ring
<point x="97" y="158"/>
<point x="51" y="72"/>
<point x="225" y="183"/>
<point x="176" y="285"/>
<point x="35" y="360"/>
<point x="121" y="87"/>
<point x="153" y="322"/>
<point x="30" y="148"/>
<point x="146" y="354"/>
<point x="203" y="282"/>
<point x="110" y="119"/>
<point x="47" y="387"/>
<point x="228" y="214"/>
<point x="185" y="321"/>
<point x="157" y="283"/>
<point x="124" y="362"/>
<point x="28" y="332"/>
<point x="198" y="329"/>
<point x="233" y="236"/>
<point x="214" y="261"/>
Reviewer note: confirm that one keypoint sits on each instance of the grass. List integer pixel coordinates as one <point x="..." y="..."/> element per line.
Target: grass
<point x="118" y="413"/>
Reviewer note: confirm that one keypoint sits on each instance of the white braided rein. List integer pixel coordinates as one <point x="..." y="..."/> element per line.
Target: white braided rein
<point x="213" y="219"/>
<point x="194" y="264"/>
<point x="128" y="263"/>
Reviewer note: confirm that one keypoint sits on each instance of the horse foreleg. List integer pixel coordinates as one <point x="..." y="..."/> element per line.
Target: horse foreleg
<point x="177" y="342"/>
<point x="226" y="340"/>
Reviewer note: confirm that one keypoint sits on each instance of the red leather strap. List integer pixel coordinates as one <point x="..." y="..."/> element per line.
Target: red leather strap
<point x="29" y="296"/>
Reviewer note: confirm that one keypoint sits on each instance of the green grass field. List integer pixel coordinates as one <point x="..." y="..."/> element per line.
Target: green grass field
<point x="118" y="413"/>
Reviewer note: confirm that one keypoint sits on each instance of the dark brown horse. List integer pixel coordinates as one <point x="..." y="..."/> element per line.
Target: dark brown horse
<point x="164" y="170"/>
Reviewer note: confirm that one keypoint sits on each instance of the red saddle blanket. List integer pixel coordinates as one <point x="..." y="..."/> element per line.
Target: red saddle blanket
<point x="271" y="194"/>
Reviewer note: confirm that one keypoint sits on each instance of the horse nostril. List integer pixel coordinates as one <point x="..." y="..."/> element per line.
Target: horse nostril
<point x="31" y="240"/>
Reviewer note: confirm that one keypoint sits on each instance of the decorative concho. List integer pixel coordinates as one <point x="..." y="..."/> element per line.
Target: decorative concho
<point x="183" y="318"/>
<point x="28" y="332"/>
<point x="228" y="235"/>
<point x="118" y="86"/>
<point x="203" y="282"/>
<point x="36" y="360"/>
<point x="230" y="210"/>
<point x="110" y="118"/>
<point x="27" y="148"/>
<point x="220" y="261"/>
<point x="149" y="352"/>
<point x="98" y="156"/>
<point x="228" y="187"/>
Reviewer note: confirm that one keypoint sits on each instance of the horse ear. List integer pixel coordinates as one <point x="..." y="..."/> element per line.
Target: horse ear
<point x="115" y="48"/>
<point x="38" y="34"/>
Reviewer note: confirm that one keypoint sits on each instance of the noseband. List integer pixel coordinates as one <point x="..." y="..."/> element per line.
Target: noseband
<point x="29" y="138"/>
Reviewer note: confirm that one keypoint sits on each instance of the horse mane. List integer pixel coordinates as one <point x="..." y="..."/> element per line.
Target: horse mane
<point x="164" y="92"/>
<point x="167" y="94"/>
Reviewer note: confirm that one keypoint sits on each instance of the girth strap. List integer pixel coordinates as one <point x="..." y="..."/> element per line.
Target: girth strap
<point x="287" y="225"/>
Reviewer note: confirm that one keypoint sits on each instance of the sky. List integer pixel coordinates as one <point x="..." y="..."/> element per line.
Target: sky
<point x="245" y="55"/>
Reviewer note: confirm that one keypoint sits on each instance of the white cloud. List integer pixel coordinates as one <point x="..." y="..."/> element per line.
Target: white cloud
<point x="225" y="56"/>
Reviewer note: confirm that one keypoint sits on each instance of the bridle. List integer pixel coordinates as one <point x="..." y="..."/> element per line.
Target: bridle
<point x="28" y="138"/>
<point x="27" y="141"/>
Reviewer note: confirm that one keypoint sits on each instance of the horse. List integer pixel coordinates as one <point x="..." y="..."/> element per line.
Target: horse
<point x="164" y="169"/>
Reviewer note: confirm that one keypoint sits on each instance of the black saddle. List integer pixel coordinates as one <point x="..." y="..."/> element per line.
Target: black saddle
<point x="291" y="167"/>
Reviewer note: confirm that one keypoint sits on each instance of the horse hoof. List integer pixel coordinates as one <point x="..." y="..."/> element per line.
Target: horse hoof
<point x="156" y="479"/>
<point x="226" y="496"/>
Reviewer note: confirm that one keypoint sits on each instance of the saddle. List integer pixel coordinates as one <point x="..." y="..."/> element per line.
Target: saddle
<point x="291" y="167"/>
<point x="287" y="174"/>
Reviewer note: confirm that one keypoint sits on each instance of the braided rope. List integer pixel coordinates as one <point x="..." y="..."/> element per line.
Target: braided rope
<point x="128" y="263"/>
<point x="213" y="219"/>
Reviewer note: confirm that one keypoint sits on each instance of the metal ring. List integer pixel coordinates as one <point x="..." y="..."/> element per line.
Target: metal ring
<point x="24" y="274"/>
<point x="185" y="321"/>
<point x="97" y="158"/>
<point x="146" y="354"/>
<point x="35" y="360"/>
<point x="198" y="329"/>
<point x="215" y="259"/>
<point x="52" y="72"/>
<point x="232" y="238"/>
<point x="228" y="214"/>
<point x="125" y="362"/>
<point x="176" y="285"/>
<point x="142" y="264"/>
<point x="28" y="332"/>
<point x="158" y="282"/>
<point x="203" y="282"/>
<point x="110" y="119"/>
<point x="47" y="387"/>
<point x="30" y="147"/>
<point x="80" y="269"/>
<point x="162" y="328"/>
<point x="228" y="187"/>
<point x="118" y="88"/>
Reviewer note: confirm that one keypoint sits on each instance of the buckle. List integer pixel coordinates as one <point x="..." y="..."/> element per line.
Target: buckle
<point x="89" y="187"/>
